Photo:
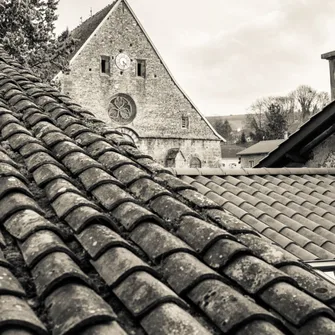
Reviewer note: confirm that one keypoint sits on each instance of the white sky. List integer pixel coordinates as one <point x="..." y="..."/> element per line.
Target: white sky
<point x="227" y="53"/>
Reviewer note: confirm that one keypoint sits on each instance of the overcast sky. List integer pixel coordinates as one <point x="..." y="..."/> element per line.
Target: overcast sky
<point x="227" y="53"/>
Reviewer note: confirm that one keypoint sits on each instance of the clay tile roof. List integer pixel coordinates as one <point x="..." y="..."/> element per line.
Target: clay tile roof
<point x="262" y="147"/>
<point x="97" y="238"/>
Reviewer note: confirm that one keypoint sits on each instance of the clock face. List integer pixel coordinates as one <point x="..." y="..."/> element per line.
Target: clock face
<point x="122" y="61"/>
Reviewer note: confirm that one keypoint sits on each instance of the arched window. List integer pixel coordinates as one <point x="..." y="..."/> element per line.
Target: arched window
<point x="195" y="162"/>
<point x="122" y="109"/>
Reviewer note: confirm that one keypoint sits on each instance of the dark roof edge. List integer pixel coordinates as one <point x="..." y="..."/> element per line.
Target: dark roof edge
<point x="328" y="55"/>
<point x="298" y="137"/>
<point x="250" y="171"/>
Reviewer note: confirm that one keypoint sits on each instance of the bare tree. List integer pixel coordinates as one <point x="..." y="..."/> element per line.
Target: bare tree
<point x="308" y="101"/>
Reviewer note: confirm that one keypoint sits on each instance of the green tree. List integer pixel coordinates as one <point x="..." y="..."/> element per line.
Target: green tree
<point x="224" y="129"/>
<point x="27" y="32"/>
<point x="276" y="123"/>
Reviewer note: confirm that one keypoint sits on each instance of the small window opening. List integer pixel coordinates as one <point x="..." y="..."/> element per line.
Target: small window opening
<point x="105" y="64"/>
<point x="195" y="163"/>
<point x="89" y="69"/>
<point x="185" y="123"/>
<point x="251" y="164"/>
<point x="140" y="68"/>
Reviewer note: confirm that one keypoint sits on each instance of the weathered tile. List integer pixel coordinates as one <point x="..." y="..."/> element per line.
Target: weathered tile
<point x="94" y="177"/>
<point x="54" y="270"/>
<point x="146" y="189"/>
<point x="33" y="162"/>
<point x="292" y="304"/>
<point x="228" y="221"/>
<point x="16" y="312"/>
<point x="106" y="328"/>
<point x="127" y="174"/>
<point x="199" y="234"/>
<point x="227" y="308"/>
<point x="17" y="141"/>
<point x="271" y="253"/>
<point x="41" y="244"/>
<point x="140" y="292"/>
<point x="170" y="319"/>
<point x="78" y="162"/>
<point x="13" y="184"/>
<point x="117" y="264"/>
<point x="110" y="196"/>
<point x="253" y="274"/>
<point x="12" y="129"/>
<point x="183" y="272"/>
<point x="96" y="239"/>
<point x="15" y="202"/>
<point x="170" y="209"/>
<point x="73" y="307"/>
<point x="57" y="187"/>
<point x="26" y="222"/>
<point x="75" y="129"/>
<point x="88" y="138"/>
<point x="156" y="242"/>
<point x="130" y="214"/>
<point x="84" y="216"/>
<point x="98" y="148"/>
<point x="68" y="202"/>
<point x="223" y="251"/>
<point x="173" y="182"/>
<point x="113" y="160"/>
<point x="53" y="138"/>
<point x="48" y="172"/>
<point x="64" y="148"/>
<point x="9" y="285"/>
<point x="32" y="148"/>
<point x="308" y="281"/>
<point x="259" y="327"/>
<point x="317" y="326"/>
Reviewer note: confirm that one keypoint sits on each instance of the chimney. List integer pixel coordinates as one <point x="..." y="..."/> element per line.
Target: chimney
<point x="330" y="56"/>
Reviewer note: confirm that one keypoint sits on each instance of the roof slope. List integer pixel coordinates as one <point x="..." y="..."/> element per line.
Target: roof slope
<point x="294" y="208"/>
<point x="97" y="238"/>
<point x="262" y="147"/>
<point x="86" y="29"/>
<point x="295" y="151"/>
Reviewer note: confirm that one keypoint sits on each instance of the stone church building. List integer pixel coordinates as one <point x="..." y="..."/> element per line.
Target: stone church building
<point x="118" y="74"/>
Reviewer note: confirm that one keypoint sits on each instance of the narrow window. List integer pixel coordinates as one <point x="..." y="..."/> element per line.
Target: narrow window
<point x="140" y="68"/>
<point x="105" y="64"/>
<point x="185" y="122"/>
<point x="251" y="164"/>
<point x="195" y="163"/>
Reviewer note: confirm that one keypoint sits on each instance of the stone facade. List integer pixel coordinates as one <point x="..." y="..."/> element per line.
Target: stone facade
<point x="151" y="104"/>
<point x="248" y="161"/>
<point x="324" y="154"/>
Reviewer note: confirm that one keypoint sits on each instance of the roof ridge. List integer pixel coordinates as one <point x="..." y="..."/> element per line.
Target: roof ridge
<point x="251" y="171"/>
<point x="94" y="15"/>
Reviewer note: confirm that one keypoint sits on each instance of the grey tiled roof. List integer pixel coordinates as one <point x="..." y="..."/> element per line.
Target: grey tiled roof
<point x="97" y="238"/>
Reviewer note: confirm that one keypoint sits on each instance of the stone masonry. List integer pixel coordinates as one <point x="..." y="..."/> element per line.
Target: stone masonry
<point x="161" y="107"/>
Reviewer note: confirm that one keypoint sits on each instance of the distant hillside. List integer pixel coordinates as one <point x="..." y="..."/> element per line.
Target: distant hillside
<point x="236" y="121"/>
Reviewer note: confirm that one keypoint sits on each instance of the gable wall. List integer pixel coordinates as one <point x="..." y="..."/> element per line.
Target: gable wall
<point x="160" y="104"/>
<point x="324" y="154"/>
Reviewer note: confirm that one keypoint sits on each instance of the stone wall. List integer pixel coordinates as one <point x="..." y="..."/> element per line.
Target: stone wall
<point x="207" y="151"/>
<point x="324" y="154"/>
<point x="160" y="103"/>
<point x="245" y="160"/>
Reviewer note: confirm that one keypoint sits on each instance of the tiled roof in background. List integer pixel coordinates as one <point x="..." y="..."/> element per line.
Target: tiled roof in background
<point x="262" y="147"/>
<point x="97" y="238"/>
<point x="293" y="207"/>
<point x="86" y="29"/>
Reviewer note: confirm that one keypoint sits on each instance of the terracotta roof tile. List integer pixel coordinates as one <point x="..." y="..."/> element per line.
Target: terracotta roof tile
<point x="99" y="238"/>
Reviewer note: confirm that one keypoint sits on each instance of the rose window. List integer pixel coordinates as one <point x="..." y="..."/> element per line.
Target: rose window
<point x="122" y="109"/>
